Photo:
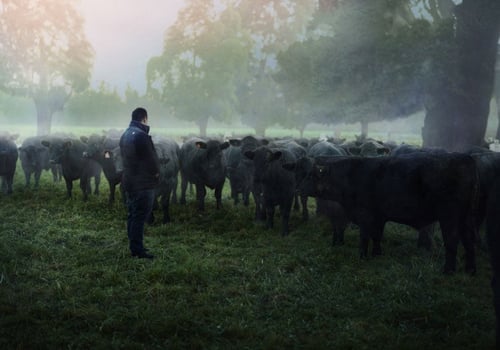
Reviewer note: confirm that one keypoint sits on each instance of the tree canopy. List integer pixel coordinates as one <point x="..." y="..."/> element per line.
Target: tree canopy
<point x="204" y="57"/>
<point x="43" y="53"/>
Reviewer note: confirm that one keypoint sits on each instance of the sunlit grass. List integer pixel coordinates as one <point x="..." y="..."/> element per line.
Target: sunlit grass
<point x="219" y="280"/>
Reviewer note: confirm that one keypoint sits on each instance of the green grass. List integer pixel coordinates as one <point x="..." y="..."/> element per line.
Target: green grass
<point x="220" y="281"/>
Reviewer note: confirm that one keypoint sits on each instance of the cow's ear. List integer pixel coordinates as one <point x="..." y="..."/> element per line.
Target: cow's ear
<point x="235" y="142"/>
<point x="45" y="143"/>
<point x="224" y="145"/>
<point x="275" y="155"/>
<point x="84" y="139"/>
<point x="289" y="166"/>
<point x="249" y="154"/>
<point x="201" y="144"/>
<point x="107" y="154"/>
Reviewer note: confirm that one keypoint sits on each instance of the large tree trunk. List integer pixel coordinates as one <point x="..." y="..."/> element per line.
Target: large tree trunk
<point x="364" y="129"/>
<point x="44" y="116"/>
<point x="203" y="124"/>
<point x="260" y="130"/>
<point x="457" y="116"/>
<point x="497" y="93"/>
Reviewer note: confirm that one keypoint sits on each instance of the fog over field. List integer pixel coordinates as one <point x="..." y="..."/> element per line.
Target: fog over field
<point x="280" y="68"/>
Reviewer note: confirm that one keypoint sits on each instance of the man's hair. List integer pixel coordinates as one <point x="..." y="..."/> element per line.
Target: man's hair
<point x="139" y="114"/>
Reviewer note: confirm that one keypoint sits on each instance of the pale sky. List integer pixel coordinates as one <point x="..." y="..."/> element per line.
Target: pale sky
<point x="125" y="34"/>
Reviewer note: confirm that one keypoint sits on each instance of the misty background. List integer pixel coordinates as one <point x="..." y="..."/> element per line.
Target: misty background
<point x="311" y="68"/>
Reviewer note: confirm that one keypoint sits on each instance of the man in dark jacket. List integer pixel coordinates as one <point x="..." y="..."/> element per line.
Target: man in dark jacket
<point x="141" y="173"/>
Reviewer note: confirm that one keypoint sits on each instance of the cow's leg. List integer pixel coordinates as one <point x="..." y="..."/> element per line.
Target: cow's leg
<point x="285" y="209"/>
<point x="234" y="193"/>
<point x="10" y="181"/>
<point x="174" y="191"/>
<point x="269" y="208"/>
<point x="449" y="233"/>
<point x="296" y="205"/>
<point x="339" y="225"/>
<point x="184" y="184"/>
<point x="246" y="197"/>
<point x="69" y="187"/>
<point x="377" y="232"/>
<point x="27" y="176"/>
<point x="165" y="205"/>
<point x="364" y="238"/>
<point x="305" y="211"/>
<point x="201" y="192"/>
<point x="97" y="182"/>
<point x="260" y="213"/>
<point x="37" y="175"/>
<point x="467" y="233"/>
<point x="425" y="237"/>
<point x="85" y="187"/>
<point x="112" y="189"/>
<point x="218" y="195"/>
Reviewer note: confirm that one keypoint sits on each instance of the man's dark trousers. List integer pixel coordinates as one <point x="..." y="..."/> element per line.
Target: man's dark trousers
<point x="140" y="205"/>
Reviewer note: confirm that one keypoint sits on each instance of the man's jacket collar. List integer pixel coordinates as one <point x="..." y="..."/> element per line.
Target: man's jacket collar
<point x="137" y="124"/>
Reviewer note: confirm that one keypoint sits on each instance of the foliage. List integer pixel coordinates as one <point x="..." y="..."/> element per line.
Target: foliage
<point x="96" y="107"/>
<point x="203" y="59"/>
<point x="219" y="280"/>
<point x="44" y="53"/>
<point x="16" y="109"/>
<point x="273" y="26"/>
<point x="368" y="63"/>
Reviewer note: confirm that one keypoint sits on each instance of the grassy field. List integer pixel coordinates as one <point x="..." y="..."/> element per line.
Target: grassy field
<point x="220" y="281"/>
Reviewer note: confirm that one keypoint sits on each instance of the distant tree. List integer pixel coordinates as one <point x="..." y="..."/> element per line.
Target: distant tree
<point x="16" y="109"/>
<point x="297" y="79"/>
<point x="273" y="26"/>
<point x="203" y="59"/>
<point x="43" y="54"/>
<point x="367" y="63"/>
<point x="101" y="107"/>
<point x="261" y="103"/>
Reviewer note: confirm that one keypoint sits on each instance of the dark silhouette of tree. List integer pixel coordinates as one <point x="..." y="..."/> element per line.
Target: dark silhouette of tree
<point x="459" y="99"/>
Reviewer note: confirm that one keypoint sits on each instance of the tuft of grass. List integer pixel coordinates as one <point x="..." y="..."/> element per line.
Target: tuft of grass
<point x="221" y="281"/>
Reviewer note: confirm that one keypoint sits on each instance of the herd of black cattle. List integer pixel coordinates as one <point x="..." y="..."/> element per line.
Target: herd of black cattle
<point x="365" y="182"/>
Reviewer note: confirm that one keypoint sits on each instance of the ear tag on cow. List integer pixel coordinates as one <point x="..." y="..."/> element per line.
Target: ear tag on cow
<point x="107" y="155"/>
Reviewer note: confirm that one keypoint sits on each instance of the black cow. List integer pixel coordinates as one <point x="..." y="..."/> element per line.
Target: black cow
<point x="488" y="167"/>
<point x="330" y="209"/>
<point x="299" y="152"/>
<point x="278" y="184"/>
<point x="415" y="190"/>
<point x="8" y="160"/>
<point x="202" y="164"/>
<point x="102" y="149"/>
<point x="168" y="154"/>
<point x="34" y="158"/>
<point x="70" y="153"/>
<point x="493" y="240"/>
<point x="239" y="172"/>
<point x="251" y="143"/>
